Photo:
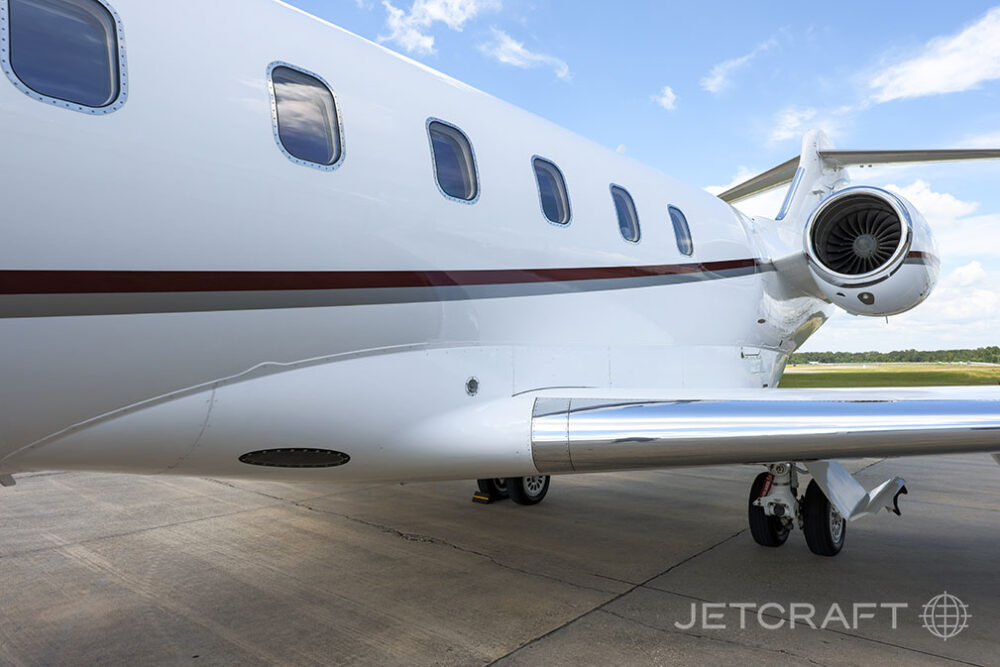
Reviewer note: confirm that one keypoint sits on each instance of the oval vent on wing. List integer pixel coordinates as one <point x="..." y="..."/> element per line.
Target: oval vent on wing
<point x="857" y="234"/>
<point x="296" y="458"/>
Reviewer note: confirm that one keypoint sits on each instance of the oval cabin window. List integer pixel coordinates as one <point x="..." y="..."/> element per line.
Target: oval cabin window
<point x="628" y="219"/>
<point x="552" y="191"/>
<point x="65" y="51"/>
<point x="305" y="115"/>
<point x="454" y="163"/>
<point x="681" y="231"/>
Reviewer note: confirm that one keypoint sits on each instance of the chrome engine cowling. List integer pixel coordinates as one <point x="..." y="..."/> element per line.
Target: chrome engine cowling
<point x="871" y="252"/>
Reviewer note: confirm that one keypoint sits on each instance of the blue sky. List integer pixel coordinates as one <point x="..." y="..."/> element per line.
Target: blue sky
<point x="712" y="92"/>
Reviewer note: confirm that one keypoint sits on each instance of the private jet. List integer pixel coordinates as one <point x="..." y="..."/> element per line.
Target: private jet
<point x="239" y="241"/>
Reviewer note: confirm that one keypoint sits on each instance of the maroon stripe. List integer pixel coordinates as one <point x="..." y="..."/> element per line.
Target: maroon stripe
<point x="122" y="282"/>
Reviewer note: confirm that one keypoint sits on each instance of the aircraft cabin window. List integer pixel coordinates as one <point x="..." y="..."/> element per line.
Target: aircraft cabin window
<point x="681" y="230"/>
<point x="454" y="163"/>
<point x="65" y="52"/>
<point x="628" y="219"/>
<point x="552" y="191"/>
<point x="306" y="123"/>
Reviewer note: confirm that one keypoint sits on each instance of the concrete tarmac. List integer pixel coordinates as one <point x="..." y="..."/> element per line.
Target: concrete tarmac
<point x="111" y="569"/>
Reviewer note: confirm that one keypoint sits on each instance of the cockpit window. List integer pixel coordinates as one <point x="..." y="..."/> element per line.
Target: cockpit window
<point x="65" y="52"/>
<point x="628" y="219"/>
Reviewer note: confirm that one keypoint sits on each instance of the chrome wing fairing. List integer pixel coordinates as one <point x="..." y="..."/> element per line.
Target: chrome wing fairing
<point x="586" y="434"/>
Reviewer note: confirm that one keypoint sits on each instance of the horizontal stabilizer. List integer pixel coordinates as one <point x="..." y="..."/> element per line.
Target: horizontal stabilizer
<point x="851" y="158"/>
<point x="772" y="178"/>
<point x="785" y="172"/>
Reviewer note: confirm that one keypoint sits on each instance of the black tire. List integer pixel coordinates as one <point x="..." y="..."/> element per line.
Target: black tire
<point x="767" y="531"/>
<point x="822" y="524"/>
<point x="528" y="490"/>
<point x="495" y="488"/>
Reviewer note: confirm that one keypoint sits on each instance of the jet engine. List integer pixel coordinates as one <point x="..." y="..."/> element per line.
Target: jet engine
<point x="870" y="252"/>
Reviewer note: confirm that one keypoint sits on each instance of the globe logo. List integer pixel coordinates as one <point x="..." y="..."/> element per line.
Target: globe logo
<point x="945" y="616"/>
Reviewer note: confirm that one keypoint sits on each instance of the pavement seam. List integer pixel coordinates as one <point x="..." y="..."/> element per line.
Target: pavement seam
<point x="833" y="630"/>
<point x="604" y="604"/>
<point x="427" y="539"/>
<point x="412" y="537"/>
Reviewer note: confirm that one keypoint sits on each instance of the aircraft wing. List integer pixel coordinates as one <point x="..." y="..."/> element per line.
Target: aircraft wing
<point x="588" y="432"/>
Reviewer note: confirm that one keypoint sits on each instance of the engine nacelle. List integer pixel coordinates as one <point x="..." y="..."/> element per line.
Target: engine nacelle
<point x="870" y="252"/>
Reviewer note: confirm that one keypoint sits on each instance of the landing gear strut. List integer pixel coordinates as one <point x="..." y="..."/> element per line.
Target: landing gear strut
<point x="774" y="506"/>
<point x="767" y="531"/>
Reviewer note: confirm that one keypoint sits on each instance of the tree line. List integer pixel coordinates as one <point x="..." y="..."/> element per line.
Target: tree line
<point x="988" y="355"/>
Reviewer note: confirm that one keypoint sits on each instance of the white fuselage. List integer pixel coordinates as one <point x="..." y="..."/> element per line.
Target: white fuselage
<point x="186" y="180"/>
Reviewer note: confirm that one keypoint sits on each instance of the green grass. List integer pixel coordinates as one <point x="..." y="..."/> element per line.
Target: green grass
<point x="888" y="375"/>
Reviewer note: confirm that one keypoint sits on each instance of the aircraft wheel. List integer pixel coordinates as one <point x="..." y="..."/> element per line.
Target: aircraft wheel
<point x="767" y="531"/>
<point x="495" y="488"/>
<point x="823" y="526"/>
<point x="528" y="490"/>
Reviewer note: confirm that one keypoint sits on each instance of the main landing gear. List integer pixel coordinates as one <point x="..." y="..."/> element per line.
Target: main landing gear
<point x="529" y="490"/>
<point x="774" y="507"/>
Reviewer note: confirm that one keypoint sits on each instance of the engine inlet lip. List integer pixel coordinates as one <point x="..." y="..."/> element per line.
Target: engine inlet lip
<point x="881" y="273"/>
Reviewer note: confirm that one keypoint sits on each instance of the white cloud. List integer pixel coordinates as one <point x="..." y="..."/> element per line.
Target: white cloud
<point x="666" y="99"/>
<point x="509" y="51"/>
<point x="720" y="76"/>
<point x="957" y="231"/>
<point x="965" y="296"/>
<point x="946" y="65"/>
<point x="962" y="312"/>
<point x="985" y="140"/>
<point x="793" y="122"/>
<point x="970" y="275"/>
<point x="937" y="207"/>
<point x="976" y="236"/>
<point x="410" y="29"/>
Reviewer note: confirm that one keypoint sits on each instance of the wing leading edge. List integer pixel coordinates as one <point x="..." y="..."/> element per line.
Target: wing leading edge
<point x="600" y="434"/>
